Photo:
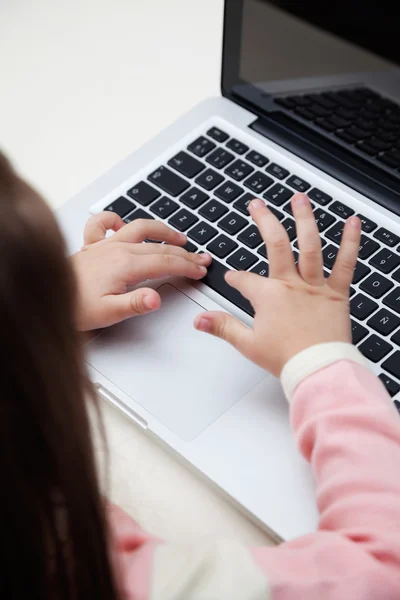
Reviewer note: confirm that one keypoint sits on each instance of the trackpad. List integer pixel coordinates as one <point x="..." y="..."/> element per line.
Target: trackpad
<point x="184" y="378"/>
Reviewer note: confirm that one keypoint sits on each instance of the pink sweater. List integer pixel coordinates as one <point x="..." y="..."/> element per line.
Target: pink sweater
<point x="348" y="429"/>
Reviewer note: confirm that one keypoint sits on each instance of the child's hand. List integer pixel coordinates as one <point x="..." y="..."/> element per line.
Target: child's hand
<point x="294" y="309"/>
<point x="106" y="268"/>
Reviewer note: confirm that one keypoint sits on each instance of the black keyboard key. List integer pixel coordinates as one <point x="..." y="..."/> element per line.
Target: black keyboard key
<point x="396" y="337"/>
<point x="376" y="285"/>
<point x="290" y="226"/>
<point x="367" y="247"/>
<point x="183" y="219"/>
<point x="221" y="246"/>
<point x="326" y="124"/>
<point x="228" y="191"/>
<point x="143" y="193"/>
<point x="164" y="207"/>
<point x="391" y="386"/>
<point x="168" y="181"/>
<point x="396" y="275"/>
<point x="217" y="134"/>
<point x="137" y="214"/>
<point x="393" y="299"/>
<point x="194" y="197"/>
<point x="239" y="170"/>
<point x="285" y="102"/>
<point x="387" y="237"/>
<point x="215" y="279"/>
<point x="277" y="171"/>
<point x="385" y="260"/>
<point x="298" y="184"/>
<point x="209" y="179"/>
<point x="237" y="146"/>
<point x="250" y="237"/>
<point x="366" y="224"/>
<point x="319" y="111"/>
<point x="329" y="255"/>
<point x="262" y="268"/>
<point x="367" y="148"/>
<point x="346" y="136"/>
<point x="220" y="158"/>
<point x="390" y="160"/>
<point x="358" y="332"/>
<point x="335" y="233"/>
<point x="121" y="206"/>
<point x="361" y="306"/>
<point x="232" y="223"/>
<point x="186" y="164"/>
<point x="280" y="216"/>
<point x="202" y="232"/>
<point x="305" y="113"/>
<point x="256" y="158"/>
<point x="360" y="272"/>
<point x="392" y="364"/>
<point x="341" y="209"/>
<point x="201" y="147"/>
<point x="258" y="182"/>
<point x="375" y="348"/>
<point x="384" y="321"/>
<point x="242" y="259"/>
<point x="213" y="210"/>
<point x="263" y="251"/>
<point x="242" y="204"/>
<point x="190" y="247"/>
<point x="323" y="219"/>
<point x="320" y="197"/>
<point x="278" y="194"/>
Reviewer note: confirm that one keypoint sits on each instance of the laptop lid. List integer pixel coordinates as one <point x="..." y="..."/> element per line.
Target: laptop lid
<point x="281" y="55"/>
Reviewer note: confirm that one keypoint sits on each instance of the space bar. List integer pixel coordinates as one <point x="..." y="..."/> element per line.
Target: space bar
<point x="216" y="281"/>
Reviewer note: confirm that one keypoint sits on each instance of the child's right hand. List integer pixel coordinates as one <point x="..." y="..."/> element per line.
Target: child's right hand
<point x="294" y="308"/>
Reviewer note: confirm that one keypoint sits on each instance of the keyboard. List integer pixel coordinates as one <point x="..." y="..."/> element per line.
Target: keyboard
<point x="204" y="190"/>
<point x="360" y="117"/>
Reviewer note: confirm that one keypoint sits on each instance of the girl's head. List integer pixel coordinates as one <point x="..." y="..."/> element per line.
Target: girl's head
<point x="54" y="539"/>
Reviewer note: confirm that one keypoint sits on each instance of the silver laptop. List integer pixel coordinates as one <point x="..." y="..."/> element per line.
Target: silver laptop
<point x="309" y="103"/>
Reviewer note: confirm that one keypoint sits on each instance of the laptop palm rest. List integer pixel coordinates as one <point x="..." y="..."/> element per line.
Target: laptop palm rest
<point x="184" y="378"/>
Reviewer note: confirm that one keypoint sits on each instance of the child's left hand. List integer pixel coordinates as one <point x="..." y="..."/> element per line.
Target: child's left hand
<point x="106" y="269"/>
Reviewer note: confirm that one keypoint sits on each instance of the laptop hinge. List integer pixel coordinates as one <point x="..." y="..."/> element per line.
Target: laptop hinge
<point x="360" y="175"/>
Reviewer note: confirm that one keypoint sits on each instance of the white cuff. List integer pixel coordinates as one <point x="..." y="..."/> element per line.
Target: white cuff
<point x="314" y="359"/>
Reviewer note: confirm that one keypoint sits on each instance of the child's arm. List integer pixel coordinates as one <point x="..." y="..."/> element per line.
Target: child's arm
<point x="347" y="427"/>
<point x="344" y="424"/>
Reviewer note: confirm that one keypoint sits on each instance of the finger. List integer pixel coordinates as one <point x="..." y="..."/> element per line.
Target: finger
<point x="132" y="304"/>
<point x="98" y="225"/>
<point x="343" y="269"/>
<point x="228" y="328"/>
<point x="279" y="252"/>
<point x="161" y="265"/>
<point x="142" y="229"/>
<point x="248" y="284"/>
<point x="310" y="262"/>
<point x="143" y="249"/>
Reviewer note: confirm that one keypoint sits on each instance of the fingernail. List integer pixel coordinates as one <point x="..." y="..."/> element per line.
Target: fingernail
<point x="183" y="236"/>
<point x="300" y="199"/>
<point x="203" y="270"/>
<point x="205" y="257"/>
<point x="202" y="324"/>
<point x="355" y="222"/>
<point x="257" y="203"/>
<point x="150" y="302"/>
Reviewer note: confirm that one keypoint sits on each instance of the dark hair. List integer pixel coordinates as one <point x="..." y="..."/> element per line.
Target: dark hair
<point x="54" y="538"/>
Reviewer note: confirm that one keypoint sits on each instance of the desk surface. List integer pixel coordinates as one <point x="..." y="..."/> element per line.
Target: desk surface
<point x="83" y="84"/>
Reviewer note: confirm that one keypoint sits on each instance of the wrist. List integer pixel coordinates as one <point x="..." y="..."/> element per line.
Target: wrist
<point x="313" y="359"/>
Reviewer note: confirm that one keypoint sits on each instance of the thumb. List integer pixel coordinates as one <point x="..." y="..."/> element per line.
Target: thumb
<point x="228" y="328"/>
<point x="132" y="304"/>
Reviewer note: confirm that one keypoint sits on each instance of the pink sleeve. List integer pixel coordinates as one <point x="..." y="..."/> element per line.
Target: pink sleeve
<point x="348" y="429"/>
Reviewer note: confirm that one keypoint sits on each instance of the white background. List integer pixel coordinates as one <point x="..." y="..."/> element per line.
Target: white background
<point x="83" y="83"/>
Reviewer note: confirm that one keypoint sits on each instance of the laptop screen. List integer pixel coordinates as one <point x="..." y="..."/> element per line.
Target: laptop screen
<point x="281" y="45"/>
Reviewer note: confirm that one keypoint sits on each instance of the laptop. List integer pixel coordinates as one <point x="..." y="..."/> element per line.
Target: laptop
<point x="309" y="103"/>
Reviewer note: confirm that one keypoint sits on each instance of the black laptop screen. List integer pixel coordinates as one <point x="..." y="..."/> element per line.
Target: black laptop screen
<point x="270" y="41"/>
<point x="287" y="39"/>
